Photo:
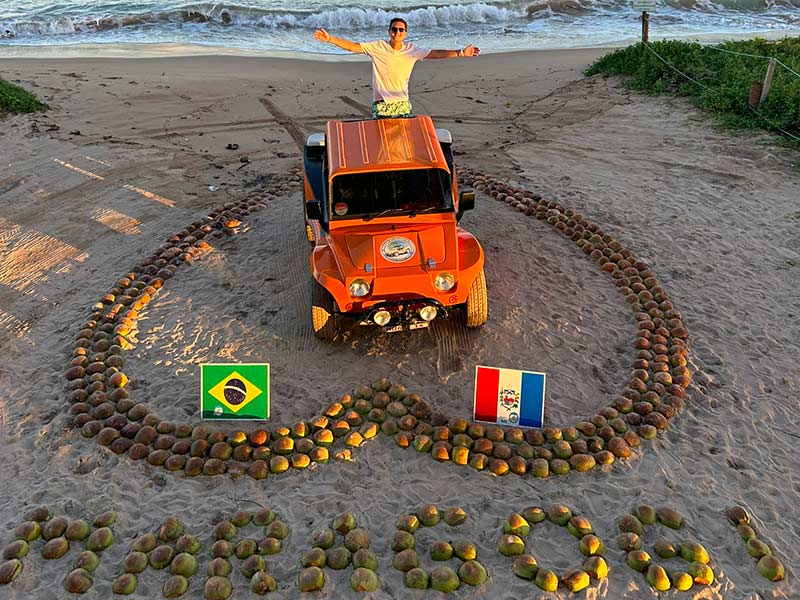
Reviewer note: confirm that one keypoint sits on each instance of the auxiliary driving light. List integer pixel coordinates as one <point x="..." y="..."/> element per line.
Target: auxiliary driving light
<point x="444" y="281"/>
<point x="382" y="317"/>
<point x="359" y="288"/>
<point x="428" y="313"/>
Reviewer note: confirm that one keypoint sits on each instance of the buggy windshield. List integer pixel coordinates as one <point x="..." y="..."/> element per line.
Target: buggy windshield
<point x="369" y="195"/>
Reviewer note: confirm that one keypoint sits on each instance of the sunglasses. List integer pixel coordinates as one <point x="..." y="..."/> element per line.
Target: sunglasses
<point x="397" y="29"/>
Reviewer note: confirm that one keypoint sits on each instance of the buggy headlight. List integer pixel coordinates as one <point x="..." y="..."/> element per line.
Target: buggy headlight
<point x="444" y="281"/>
<point x="359" y="288"/>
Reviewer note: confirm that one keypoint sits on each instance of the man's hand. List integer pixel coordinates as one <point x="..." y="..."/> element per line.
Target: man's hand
<point x="470" y="51"/>
<point x="322" y="35"/>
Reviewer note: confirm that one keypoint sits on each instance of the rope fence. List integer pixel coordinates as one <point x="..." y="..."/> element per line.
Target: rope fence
<point x="744" y="54"/>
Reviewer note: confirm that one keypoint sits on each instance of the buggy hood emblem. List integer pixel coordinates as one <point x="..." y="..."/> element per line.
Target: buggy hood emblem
<point x="398" y="249"/>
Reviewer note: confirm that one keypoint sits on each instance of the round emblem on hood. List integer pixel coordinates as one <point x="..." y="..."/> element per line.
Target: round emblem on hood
<point x="398" y="249"/>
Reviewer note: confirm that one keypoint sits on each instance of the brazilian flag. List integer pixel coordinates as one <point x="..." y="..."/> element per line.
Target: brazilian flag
<point x="234" y="391"/>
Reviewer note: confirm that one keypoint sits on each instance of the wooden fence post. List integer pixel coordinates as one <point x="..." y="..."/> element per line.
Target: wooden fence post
<point x="645" y="27"/>
<point x="767" y="81"/>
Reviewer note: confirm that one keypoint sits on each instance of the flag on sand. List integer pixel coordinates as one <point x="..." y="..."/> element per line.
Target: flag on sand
<point x="509" y="396"/>
<point x="234" y="391"/>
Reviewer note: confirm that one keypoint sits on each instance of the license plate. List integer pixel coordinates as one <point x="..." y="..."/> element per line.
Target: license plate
<point x="409" y="326"/>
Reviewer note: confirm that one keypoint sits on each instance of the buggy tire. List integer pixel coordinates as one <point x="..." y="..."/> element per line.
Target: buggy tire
<point x="477" y="303"/>
<point x="323" y="318"/>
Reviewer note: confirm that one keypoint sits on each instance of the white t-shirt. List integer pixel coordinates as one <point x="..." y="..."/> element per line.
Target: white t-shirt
<point x="391" y="69"/>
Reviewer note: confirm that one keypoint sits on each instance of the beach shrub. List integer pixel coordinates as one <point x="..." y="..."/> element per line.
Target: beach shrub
<point x="722" y="80"/>
<point x="14" y="99"/>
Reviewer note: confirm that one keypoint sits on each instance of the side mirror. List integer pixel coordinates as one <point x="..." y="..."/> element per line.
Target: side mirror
<point x="313" y="211"/>
<point x="466" y="201"/>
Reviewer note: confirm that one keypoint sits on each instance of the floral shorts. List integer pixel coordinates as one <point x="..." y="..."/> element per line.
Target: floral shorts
<point x="390" y="110"/>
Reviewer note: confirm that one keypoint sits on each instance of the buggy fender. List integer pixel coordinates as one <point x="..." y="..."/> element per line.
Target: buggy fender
<point x="326" y="269"/>
<point x="471" y="260"/>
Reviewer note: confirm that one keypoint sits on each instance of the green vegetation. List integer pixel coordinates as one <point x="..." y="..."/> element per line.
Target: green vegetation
<point x="727" y="78"/>
<point x="13" y="99"/>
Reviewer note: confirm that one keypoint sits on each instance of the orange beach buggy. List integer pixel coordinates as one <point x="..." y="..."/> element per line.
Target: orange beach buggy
<point x="382" y="210"/>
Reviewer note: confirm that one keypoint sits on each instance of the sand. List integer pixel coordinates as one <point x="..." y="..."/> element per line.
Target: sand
<point x="133" y="150"/>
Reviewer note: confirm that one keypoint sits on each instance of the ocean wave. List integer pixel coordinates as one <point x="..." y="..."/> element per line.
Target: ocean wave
<point x="352" y="18"/>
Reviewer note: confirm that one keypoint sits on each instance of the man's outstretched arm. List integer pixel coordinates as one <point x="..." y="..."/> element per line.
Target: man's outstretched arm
<point x="324" y="36"/>
<point x="468" y="51"/>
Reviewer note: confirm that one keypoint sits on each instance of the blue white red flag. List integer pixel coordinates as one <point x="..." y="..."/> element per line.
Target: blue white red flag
<point x="509" y="396"/>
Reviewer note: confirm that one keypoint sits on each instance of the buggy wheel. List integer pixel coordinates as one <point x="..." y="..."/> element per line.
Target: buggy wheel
<point x="477" y="304"/>
<point x="323" y="318"/>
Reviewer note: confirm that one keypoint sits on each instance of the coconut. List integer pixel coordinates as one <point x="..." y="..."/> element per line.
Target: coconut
<point x="337" y="558"/>
<point x="638" y="560"/>
<point x="547" y="580"/>
<point x="219" y="567"/>
<point x="183" y="564"/>
<point x="409" y="523"/>
<point x="510" y="545"/>
<point x="402" y="540"/>
<point x="405" y="560"/>
<point x="630" y="524"/>
<point x="217" y="588"/>
<point x="171" y="529"/>
<point x="628" y="541"/>
<point x="692" y="551"/>
<point x="534" y="514"/>
<point x="161" y="556"/>
<point x="28" y="531"/>
<point x="38" y="514"/>
<point x="478" y="461"/>
<point x="241" y="518"/>
<point x="322" y="539"/>
<point x="277" y="529"/>
<point x="444" y="579"/>
<point x="738" y="515"/>
<point x="264" y="517"/>
<point x="269" y="546"/>
<point x="135" y="562"/>
<point x="516" y="524"/>
<point x="313" y="558"/>
<point x="464" y="550"/>
<point x="771" y="568"/>
<point x="125" y="584"/>
<point x="429" y="515"/>
<point x="745" y="531"/>
<point x="559" y="514"/>
<point x="441" y="550"/>
<point x="78" y="581"/>
<point x="246" y="548"/>
<point x="366" y="559"/>
<point x="591" y="545"/>
<point x="16" y="549"/>
<point x="175" y="586"/>
<point x="416" y="578"/>
<point x="224" y="530"/>
<point x="576" y="580"/>
<point x="666" y="549"/>
<point x="262" y="583"/>
<point x="188" y="543"/>
<point x="657" y="577"/>
<point x="343" y="523"/>
<point x="701" y="573"/>
<point x="472" y="572"/>
<point x="9" y="570"/>
<point x="669" y="517"/>
<point x="579" y="526"/>
<point x="145" y="543"/>
<point x="278" y="464"/>
<point x="645" y="513"/>
<point x="100" y="539"/>
<point x="55" y="548"/>
<point x="596" y="567"/>
<point x="356" y="539"/>
<point x="756" y="548"/>
<point x="454" y="516"/>
<point x="525" y="566"/>
<point x="55" y="527"/>
<point x="364" y="580"/>
<point x="252" y="565"/>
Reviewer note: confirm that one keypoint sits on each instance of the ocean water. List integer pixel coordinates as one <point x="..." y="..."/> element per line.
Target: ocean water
<point x="288" y="25"/>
